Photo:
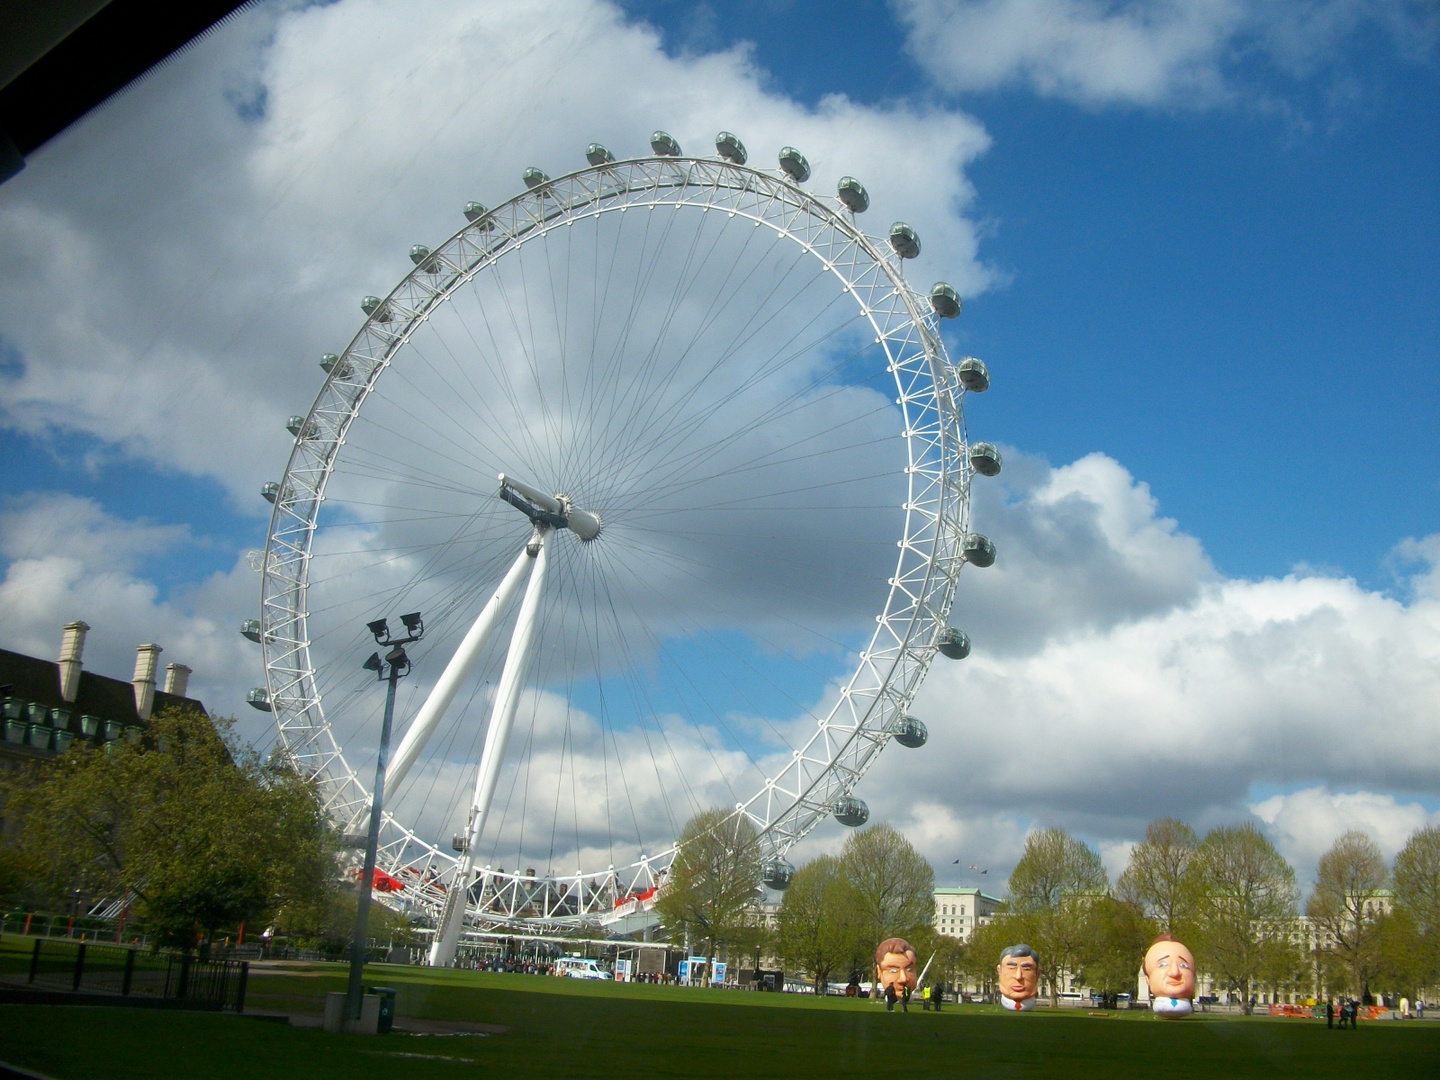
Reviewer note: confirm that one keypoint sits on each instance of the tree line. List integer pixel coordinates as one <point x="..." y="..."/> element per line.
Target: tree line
<point x="1372" y="927"/>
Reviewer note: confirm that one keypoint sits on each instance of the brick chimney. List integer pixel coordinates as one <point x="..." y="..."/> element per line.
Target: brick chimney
<point x="177" y="679"/>
<point x="147" y="658"/>
<point x="71" y="646"/>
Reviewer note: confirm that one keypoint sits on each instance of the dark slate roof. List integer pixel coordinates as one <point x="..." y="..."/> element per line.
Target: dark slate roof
<point x="38" y="681"/>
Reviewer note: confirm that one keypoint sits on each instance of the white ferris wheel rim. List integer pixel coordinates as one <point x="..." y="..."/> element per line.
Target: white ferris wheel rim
<point x="847" y="740"/>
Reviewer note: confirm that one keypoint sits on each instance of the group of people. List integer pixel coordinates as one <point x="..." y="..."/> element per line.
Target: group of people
<point x="1348" y="1014"/>
<point x="1169" y="970"/>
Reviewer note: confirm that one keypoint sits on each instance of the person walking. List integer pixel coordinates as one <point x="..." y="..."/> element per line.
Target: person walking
<point x="890" y="996"/>
<point x="937" y="996"/>
<point x="1330" y="1014"/>
<point x="925" y="999"/>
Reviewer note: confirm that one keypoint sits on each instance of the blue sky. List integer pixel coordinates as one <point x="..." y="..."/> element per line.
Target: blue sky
<point x="1197" y="248"/>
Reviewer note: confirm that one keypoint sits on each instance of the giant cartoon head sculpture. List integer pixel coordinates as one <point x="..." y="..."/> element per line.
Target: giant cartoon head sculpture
<point x="1170" y="971"/>
<point x="895" y="965"/>
<point x="1019" y="976"/>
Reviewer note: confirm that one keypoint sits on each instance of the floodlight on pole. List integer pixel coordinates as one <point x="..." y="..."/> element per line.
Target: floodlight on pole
<point x="399" y="662"/>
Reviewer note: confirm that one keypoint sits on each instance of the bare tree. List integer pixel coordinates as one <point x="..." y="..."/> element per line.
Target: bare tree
<point x="1161" y="875"/>
<point x="1343" y="904"/>
<point x="1247" y="906"/>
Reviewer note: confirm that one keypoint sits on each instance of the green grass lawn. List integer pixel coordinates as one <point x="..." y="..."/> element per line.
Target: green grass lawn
<point x="568" y="1028"/>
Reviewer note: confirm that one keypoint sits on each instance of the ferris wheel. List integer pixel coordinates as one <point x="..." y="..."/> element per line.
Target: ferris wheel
<point x="673" y="462"/>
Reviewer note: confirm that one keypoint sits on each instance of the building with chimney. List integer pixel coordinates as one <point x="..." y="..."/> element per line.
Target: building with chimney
<point x="47" y="705"/>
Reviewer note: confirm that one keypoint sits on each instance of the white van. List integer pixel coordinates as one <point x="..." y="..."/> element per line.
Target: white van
<point x="580" y="967"/>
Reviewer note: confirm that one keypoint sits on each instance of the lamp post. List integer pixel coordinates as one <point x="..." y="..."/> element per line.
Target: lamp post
<point x="399" y="667"/>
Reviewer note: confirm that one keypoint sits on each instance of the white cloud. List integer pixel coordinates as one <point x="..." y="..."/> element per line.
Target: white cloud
<point x="1153" y="53"/>
<point x="68" y="559"/>
<point x="177" y="263"/>
<point x="1304" y="824"/>
<point x="1175" y="708"/>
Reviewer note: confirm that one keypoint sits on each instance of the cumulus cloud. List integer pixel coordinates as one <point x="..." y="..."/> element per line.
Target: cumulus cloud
<point x="177" y="263"/>
<point x="1305" y="823"/>
<point x="1178" y="708"/>
<point x="1151" y="53"/>
<point x="68" y="559"/>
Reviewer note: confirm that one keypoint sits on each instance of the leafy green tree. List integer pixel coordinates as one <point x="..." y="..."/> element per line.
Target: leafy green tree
<point x="1161" y="875"/>
<point x="1342" y="905"/>
<point x="193" y="826"/>
<point x="1417" y="898"/>
<point x="819" y="922"/>
<point x="1052" y="888"/>
<point x="983" y="947"/>
<point x="710" y="894"/>
<point x="893" y="887"/>
<point x="1115" y="935"/>
<point x="1248" y="903"/>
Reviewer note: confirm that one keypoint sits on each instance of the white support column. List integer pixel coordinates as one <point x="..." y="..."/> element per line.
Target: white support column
<point x="502" y="717"/>
<point x="433" y="711"/>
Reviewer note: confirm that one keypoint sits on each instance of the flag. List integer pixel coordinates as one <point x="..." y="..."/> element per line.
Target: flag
<point x="984" y="871"/>
<point x="955" y="863"/>
<point x="974" y="867"/>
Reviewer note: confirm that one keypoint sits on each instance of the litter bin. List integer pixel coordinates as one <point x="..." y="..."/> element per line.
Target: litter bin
<point x="387" y="1008"/>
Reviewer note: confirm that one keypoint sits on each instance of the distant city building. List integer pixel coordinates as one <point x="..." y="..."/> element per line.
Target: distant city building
<point x="959" y="911"/>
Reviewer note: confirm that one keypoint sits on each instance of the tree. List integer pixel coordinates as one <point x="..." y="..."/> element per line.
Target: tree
<point x="1417" y="899"/>
<point x="1342" y="907"/>
<point x="820" y="928"/>
<point x="1051" y="888"/>
<point x="1115" y="935"/>
<point x="893" y="887"/>
<point x="1247" y="904"/>
<point x="713" y="879"/>
<point x="1160" y="876"/>
<point x="984" y="945"/>
<point x="189" y="824"/>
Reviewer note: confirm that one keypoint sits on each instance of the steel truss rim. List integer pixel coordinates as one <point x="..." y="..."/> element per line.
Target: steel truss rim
<point x="848" y="739"/>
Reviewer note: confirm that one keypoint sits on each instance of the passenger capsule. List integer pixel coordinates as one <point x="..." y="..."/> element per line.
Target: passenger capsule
<point x="295" y="425"/>
<point x="985" y="459"/>
<point x="375" y="308"/>
<point x="904" y="240"/>
<point x="732" y="150"/>
<point x="664" y="144"/>
<point x="851" y="811"/>
<point x="911" y="732"/>
<point x="978" y="549"/>
<point x="944" y="300"/>
<point x="794" y="164"/>
<point x="328" y="362"/>
<point x="271" y="491"/>
<point x="853" y="194"/>
<point x="533" y="177"/>
<point x="474" y="212"/>
<point x="250" y="628"/>
<point x="953" y="643"/>
<point x="973" y="375"/>
<point x="596" y="154"/>
<point x="259" y="698"/>
<point x="777" y="873"/>
<point x="420" y="256"/>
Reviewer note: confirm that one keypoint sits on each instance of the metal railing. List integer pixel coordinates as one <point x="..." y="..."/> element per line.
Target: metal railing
<point x="96" y="968"/>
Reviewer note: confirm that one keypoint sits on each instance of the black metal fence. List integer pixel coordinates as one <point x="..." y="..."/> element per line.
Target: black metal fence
<point x="94" y="968"/>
